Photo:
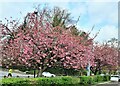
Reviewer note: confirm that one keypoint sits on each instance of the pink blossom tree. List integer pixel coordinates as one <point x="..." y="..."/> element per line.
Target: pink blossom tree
<point x="105" y="55"/>
<point x="36" y="43"/>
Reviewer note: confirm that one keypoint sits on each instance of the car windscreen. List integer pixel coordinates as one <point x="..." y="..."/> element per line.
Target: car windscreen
<point x="114" y="76"/>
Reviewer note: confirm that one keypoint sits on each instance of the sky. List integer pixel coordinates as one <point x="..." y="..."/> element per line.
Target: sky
<point x="103" y="14"/>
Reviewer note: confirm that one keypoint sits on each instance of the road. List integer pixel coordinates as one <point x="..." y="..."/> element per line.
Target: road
<point x="5" y="73"/>
<point x="110" y="84"/>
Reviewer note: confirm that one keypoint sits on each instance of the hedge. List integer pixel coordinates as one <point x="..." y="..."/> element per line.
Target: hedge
<point x="54" y="81"/>
<point x="15" y="82"/>
<point x="86" y="80"/>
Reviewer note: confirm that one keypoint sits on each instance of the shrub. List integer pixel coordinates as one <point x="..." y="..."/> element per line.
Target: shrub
<point x="59" y="81"/>
<point x="15" y="82"/>
<point x="85" y="80"/>
<point x="53" y="81"/>
<point x="98" y="78"/>
<point x="106" y="78"/>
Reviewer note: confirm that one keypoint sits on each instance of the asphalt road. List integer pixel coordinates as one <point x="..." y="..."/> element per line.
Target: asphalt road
<point x="110" y="84"/>
<point x="5" y="73"/>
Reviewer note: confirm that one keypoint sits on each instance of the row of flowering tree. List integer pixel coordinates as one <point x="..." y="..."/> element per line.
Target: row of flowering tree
<point x="105" y="56"/>
<point x="39" y="44"/>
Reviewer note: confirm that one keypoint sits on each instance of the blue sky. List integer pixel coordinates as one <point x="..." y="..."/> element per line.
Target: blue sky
<point x="103" y="14"/>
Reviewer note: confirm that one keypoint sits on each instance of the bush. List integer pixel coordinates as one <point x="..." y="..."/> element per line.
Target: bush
<point x="53" y="81"/>
<point x="99" y="78"/>
<point x="106" y="78"/>
<point x="87" y="80"/>
<point x="58" y="81"/>
<point x="15" y="82"/>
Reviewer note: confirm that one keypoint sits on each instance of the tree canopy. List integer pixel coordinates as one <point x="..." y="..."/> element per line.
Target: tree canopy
<point x="42" y="41"/>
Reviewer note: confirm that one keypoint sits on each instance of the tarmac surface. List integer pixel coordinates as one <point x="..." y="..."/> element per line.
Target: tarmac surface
<point x="5" y="73"/>
<point x="110" y="84"/>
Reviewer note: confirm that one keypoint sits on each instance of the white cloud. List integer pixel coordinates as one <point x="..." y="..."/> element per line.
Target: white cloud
<point x="63" y="5"/>
<point x="107" y="32"/>
<point x="102" y="0"/>
<point x="100" y="12"/>
<point x="59" y="0"/>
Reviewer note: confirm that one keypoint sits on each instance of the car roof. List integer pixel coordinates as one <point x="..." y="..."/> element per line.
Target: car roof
<point x="114" y="75"/>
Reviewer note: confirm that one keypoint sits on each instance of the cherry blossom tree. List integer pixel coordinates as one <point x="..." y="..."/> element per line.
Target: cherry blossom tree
<point x="105" y="56"/>
<point x="37" y="44"/>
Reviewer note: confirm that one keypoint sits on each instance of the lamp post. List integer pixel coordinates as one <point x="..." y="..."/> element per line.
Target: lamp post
<point x="34" y="71"/>
<point x="89" y="65"/>
<point x="88" y="69"/>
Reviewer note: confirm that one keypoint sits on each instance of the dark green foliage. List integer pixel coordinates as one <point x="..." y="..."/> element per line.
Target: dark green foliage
<point x="58" y="81"/>
<point x="15" y="82"/>
<point x="87" y="80"/>
<point x="58" y="71"/>
<point x="60" y="17"/>
<point x="63" y="71"/>
<point x="98" y="78"/>
<point x="55" y="81"/>
<point x="106" y="78"/>
<point x="75" y="31"/>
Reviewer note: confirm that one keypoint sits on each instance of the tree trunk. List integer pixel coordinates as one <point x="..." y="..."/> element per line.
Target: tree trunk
<point x="96" y="70"/>
<point x="38" y="73"/>
<point x="80" y="73"/>
<point x="41" y="71"/>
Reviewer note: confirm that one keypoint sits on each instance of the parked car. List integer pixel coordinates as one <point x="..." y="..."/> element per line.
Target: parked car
<point x="115" y="78"/>
<point x="102" y="74"/>
<point x="47" y="74"/>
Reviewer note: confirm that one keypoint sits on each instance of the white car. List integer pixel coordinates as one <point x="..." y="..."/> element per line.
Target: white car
<point x="115" y="78"/>
<point x="47" y="74"/>
<point x="102" y="74"/>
